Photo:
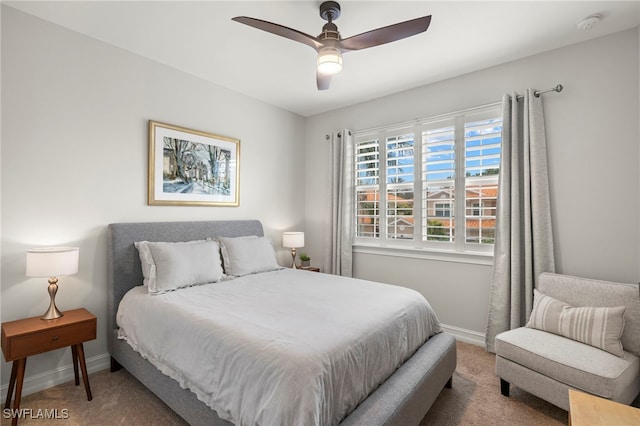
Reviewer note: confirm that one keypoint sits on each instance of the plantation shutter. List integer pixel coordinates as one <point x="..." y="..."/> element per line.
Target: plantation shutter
<point x="367" y="184"/>
<point x="438" y="173"/>
<point x="482" y="140"/>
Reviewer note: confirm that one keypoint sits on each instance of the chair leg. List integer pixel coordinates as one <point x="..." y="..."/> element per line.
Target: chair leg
<point x="504" y="387"/>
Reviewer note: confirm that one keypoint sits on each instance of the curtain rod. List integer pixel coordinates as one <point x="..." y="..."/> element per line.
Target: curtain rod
<point x="537" y="93"/>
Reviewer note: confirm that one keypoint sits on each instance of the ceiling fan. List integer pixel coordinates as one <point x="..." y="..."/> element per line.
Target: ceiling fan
<point x="330" y="46"/>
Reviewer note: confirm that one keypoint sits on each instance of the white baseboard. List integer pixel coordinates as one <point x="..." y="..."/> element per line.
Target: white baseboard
<point x="61" y="375"/>
<point x="464" y="335"/>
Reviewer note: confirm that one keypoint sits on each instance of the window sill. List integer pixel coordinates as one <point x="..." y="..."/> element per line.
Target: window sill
<point x="475" y="258"/>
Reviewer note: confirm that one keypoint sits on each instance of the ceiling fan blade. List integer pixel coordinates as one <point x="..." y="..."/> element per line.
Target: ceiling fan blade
<point x="280" y="30"/>
<point x="386" y="34"/>
<point x="323" y="81"/>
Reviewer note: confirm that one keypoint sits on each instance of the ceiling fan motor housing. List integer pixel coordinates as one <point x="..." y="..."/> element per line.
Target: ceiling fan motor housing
<point x="329" y="32"/>
<point x="329" y="10"/>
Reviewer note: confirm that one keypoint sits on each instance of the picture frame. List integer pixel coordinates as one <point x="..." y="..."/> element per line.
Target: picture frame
<point x="192" y="168"/>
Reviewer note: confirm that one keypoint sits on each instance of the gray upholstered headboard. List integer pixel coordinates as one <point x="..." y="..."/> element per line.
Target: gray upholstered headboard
<point x="123" y="264"/>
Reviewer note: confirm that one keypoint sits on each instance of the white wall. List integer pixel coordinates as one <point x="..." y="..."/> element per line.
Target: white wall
<point x="593" y="150"/>
<point x="74" y="158"/>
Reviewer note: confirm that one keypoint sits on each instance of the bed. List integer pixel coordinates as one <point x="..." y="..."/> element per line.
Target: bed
<point x="403" y="398"/>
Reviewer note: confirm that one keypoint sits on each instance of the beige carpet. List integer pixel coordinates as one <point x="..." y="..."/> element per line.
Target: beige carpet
<point x="119" y="399"/>
<point x="475" y="397"/>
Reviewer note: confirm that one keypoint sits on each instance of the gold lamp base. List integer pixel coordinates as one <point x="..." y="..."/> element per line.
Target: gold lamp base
<point x="293" y="258"/>
<point x="52" y="312"/>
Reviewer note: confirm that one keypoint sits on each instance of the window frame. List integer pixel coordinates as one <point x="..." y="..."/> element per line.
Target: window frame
<point x="459" y="249"/>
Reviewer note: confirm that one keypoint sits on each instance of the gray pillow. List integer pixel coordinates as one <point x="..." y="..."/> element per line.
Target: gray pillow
<point x="595" y="326"/>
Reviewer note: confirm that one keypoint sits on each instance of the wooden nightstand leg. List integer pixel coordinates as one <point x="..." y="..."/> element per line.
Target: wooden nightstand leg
<point x="12" y="383"/>
<point x="83" y="367"/>
<point x="74" y="356"/>
<point x="22" y="362"/>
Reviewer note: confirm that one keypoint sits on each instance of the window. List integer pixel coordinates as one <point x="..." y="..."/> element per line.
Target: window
<point x="443" y="210"/>
<point x="432" y="184"/>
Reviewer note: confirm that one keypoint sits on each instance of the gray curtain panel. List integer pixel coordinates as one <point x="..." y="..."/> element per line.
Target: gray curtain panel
<point x="524" y="237"/>
<point x="338" y="249"/>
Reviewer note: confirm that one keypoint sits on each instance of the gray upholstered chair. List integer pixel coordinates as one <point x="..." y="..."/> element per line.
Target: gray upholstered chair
<point x="548" y="365"/>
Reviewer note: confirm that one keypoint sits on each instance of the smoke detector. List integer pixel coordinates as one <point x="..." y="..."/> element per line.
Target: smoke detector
<point x="589" y="22"/>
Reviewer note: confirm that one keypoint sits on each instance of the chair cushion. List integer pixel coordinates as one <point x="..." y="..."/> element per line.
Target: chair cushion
<point x="587" y="292"/>
<point x="595" y="326"/>
<point x="573" y="363"/>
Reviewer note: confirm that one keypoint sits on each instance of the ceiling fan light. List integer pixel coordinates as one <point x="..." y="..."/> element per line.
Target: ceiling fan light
<point x="329" y="61"/>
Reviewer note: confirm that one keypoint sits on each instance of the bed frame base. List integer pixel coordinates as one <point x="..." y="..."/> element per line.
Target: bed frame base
<point x="403" y="399"/>
<point x="115" y="365"/>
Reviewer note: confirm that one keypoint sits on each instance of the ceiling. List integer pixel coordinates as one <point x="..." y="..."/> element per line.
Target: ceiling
<point x="200" y="38"/>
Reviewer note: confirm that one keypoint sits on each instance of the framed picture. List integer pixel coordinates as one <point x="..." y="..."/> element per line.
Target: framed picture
<point x="192" y="168"/>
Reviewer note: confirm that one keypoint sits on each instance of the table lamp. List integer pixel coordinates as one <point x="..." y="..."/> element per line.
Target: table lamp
<point x="293" y="240"/>
<point x="52" y="262"/>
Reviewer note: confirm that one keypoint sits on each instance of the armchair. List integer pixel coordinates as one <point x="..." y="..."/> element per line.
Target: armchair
<point x="548" y="365"/>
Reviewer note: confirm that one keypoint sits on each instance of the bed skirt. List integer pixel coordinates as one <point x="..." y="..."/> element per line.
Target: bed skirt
<point x="403" y="399"/>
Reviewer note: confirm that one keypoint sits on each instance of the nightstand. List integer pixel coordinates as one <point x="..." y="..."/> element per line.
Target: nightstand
<point x="587" y="409"/>
<point x="32" y="336"/>
<point x="310" y="268"/>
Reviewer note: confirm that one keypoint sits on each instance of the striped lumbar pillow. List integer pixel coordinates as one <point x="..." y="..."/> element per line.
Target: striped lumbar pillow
<point x="596" y="326"/>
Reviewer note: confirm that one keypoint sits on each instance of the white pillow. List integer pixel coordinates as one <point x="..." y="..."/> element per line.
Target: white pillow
<point x="248" y="255"/>
<point x="170" y="266"/>
<point x="146" y="260"/>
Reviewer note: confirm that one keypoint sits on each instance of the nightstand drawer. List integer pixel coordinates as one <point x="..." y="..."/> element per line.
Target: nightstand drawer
<point x="55" y="338"/>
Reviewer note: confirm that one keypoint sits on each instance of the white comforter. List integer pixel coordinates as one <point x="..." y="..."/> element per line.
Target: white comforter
<point x="285" y="347"/>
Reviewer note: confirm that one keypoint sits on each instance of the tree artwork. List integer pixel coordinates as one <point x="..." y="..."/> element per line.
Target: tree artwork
<point x="191" y="167"/>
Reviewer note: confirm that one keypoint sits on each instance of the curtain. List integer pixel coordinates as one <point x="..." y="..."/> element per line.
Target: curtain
<point x="524" y="238"/>
<point x="338" y="257"/>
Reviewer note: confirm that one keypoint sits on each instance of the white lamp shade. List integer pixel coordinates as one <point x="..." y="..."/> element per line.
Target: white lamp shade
<point x="329" y="61"/>
<point x="52" y="261"/>
<point x="293" y="239"/>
